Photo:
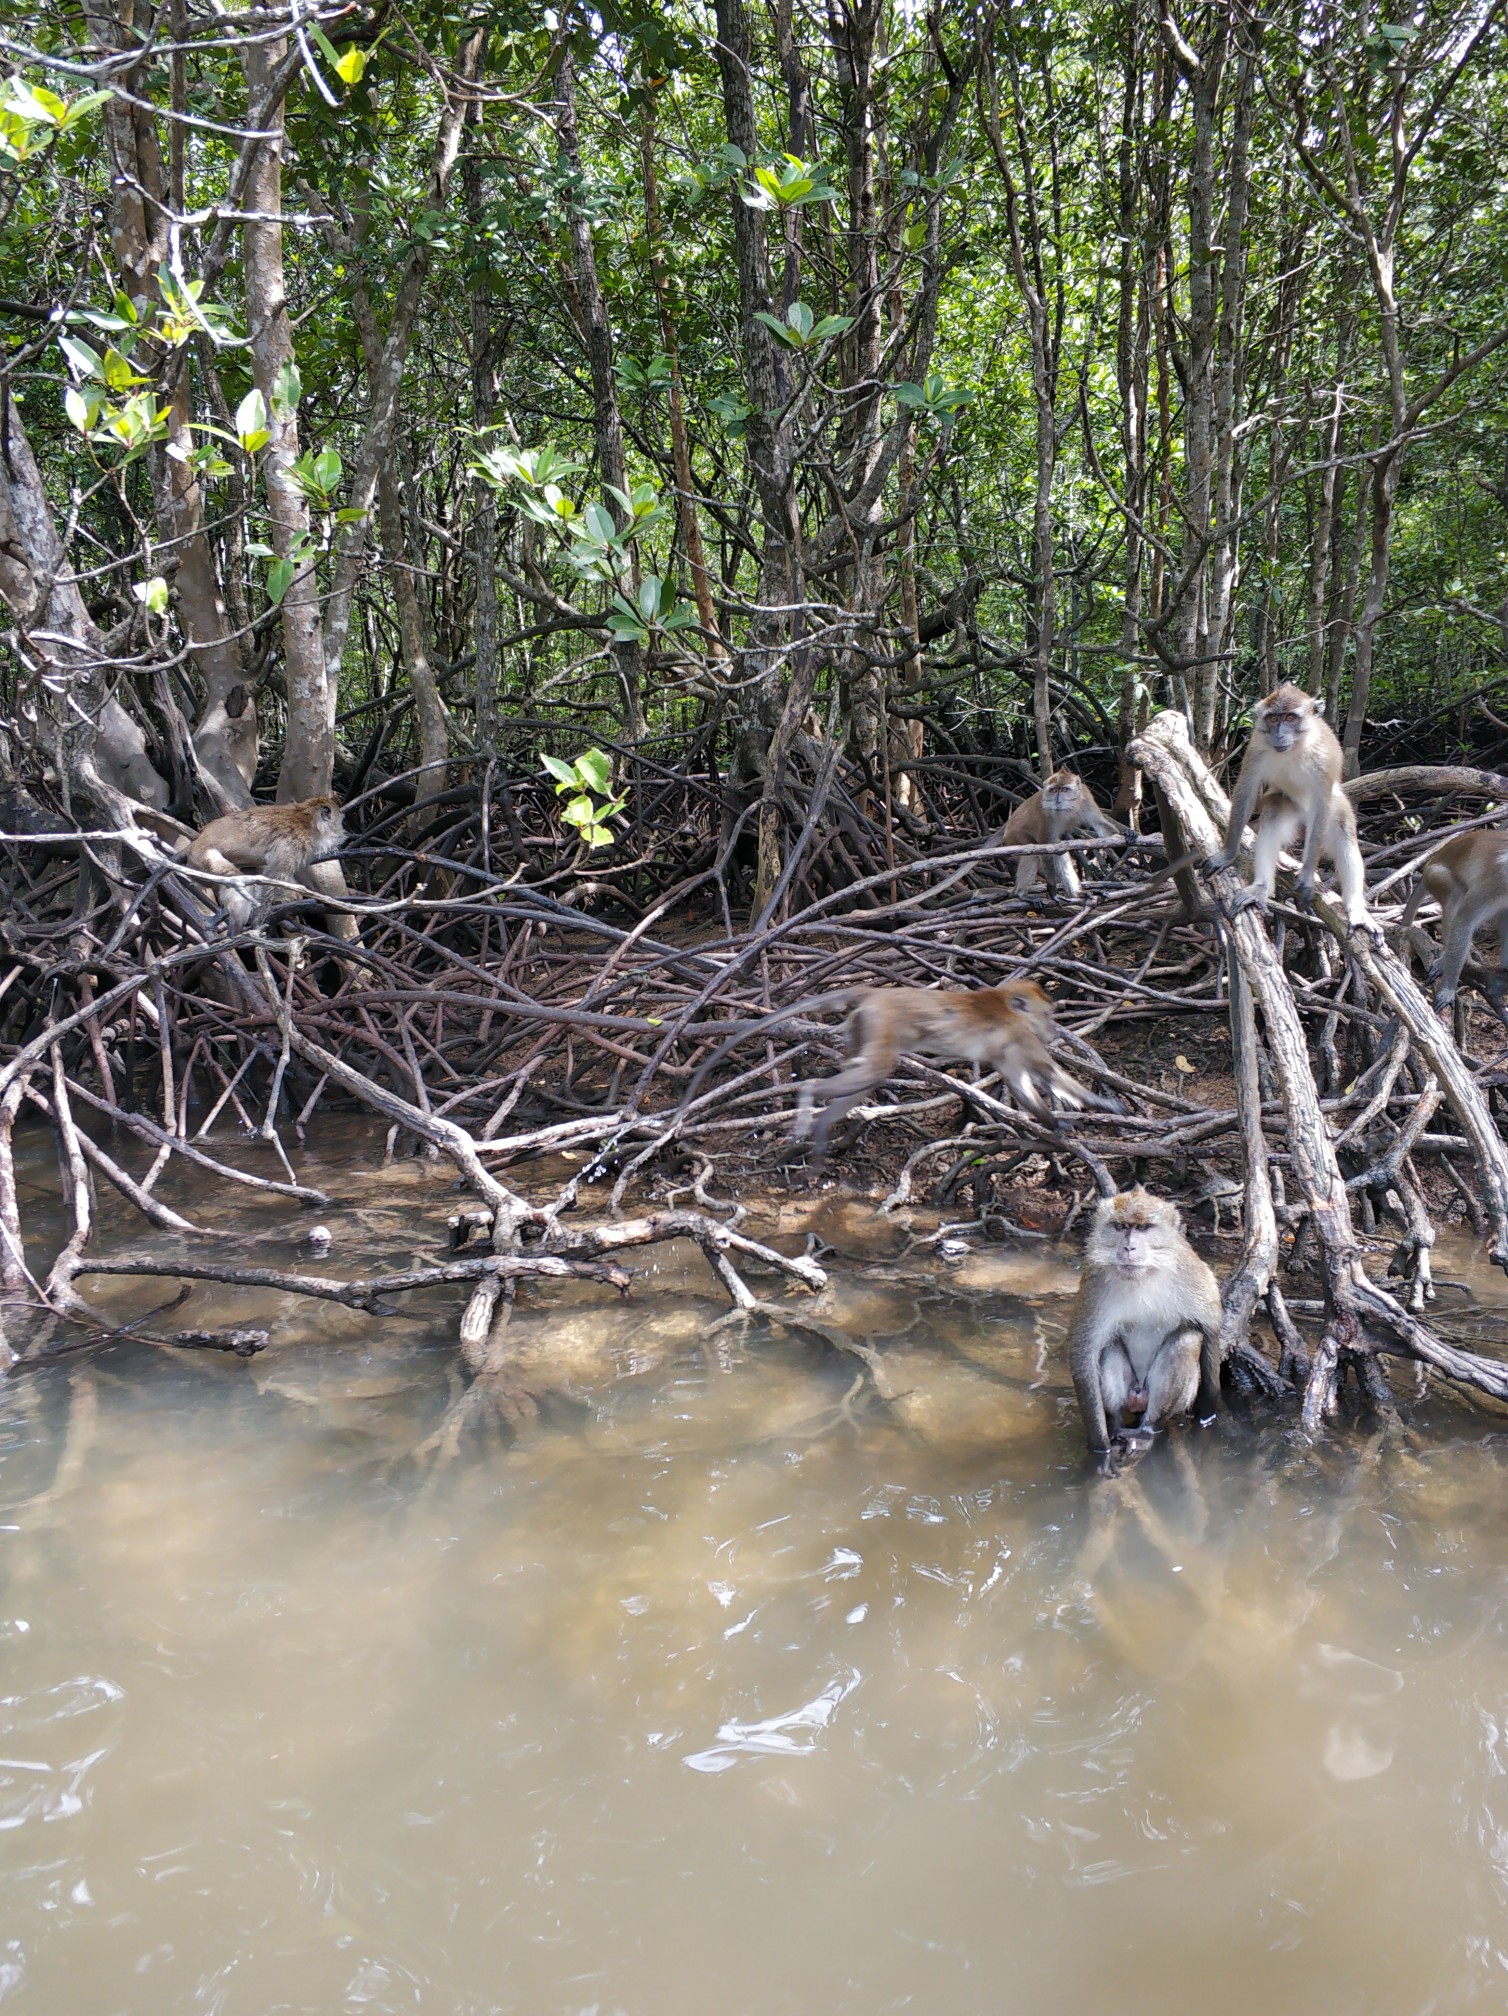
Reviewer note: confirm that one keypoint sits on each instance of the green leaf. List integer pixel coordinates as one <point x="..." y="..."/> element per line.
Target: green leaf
<point x="119" y="375"/>
<point x="350" y="65"/>
<point x="80" y="107"/>
<point x="599" y="524"/>
<point x="579" y="812"/>
<point x="252" y="430"/>
<point x="35" y="103"/>
<point x="81" y="411"/>
<point x="287" y="390"/>
<point x="778" y="328"/>
<point x="596" y="769"/>
<point x="279" y="575"/>
<point x="327" y="467"/>
<point x="81" y="359"/>
<point x="154" y="593"/>
<point x="563" y="773"/>
<point x="111" y="324"/>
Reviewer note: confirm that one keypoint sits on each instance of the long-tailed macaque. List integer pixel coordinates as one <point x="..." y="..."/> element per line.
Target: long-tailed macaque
<point x="1064" y="806"/>
<point x="1007" y="1027"/>
<point x="1468" y="878"/>
<point x="1144" y="1337"/>
<point x="278" y="841"/>
<point x="1290" y="778"/>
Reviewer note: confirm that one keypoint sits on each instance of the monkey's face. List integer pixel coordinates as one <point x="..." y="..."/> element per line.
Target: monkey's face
<point x="1028" y="999"/>
<point x="329" y="832"/>
<point x="1061" y="793"/>
<point x="1284" y="716"/>
<point x="1133" y="1232"/>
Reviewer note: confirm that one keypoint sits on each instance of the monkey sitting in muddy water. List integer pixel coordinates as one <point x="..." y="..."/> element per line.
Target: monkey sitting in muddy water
<point x="276" y="841"/>
<point x="1144" y="1335"/>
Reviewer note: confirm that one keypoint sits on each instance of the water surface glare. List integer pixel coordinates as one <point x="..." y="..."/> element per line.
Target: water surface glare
<point x="726" y="1689"/>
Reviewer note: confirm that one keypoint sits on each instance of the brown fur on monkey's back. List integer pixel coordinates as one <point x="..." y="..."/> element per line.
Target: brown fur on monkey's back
<point x="244" y="838"/>
<point x="1462" y="859"/>
<point x="971" y="1022"/>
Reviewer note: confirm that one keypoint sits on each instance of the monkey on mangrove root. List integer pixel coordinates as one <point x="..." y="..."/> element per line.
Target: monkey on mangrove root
<point x="1007" y="1027"/>
<point x="1144" y="1336"/>
<point x="1064" y="806"/>
<point x="276" y="841"/>
<point x="1290" y="778"/>
<point x="1468" y="878"/>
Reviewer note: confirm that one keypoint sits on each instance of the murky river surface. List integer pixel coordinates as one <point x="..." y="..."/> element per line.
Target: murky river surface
<point x="726" y="1687"/>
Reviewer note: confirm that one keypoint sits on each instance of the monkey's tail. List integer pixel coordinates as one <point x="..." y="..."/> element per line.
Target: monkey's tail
<point x="1416" y="896"/>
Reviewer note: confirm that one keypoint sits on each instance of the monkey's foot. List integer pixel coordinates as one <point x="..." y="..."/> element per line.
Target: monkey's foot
<point x="1249" y="898"/>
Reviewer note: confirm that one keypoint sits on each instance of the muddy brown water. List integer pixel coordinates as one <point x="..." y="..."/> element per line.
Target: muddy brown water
<point x="724" y="1687"/>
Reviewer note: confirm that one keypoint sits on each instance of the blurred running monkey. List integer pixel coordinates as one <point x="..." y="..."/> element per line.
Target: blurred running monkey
<point x="1007" y="1027"/>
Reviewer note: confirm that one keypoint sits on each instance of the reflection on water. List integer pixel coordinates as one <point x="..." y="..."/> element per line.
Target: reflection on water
<point x="725" y="1688"/>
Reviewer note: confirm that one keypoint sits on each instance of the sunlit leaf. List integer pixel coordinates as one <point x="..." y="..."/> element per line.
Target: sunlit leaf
<point x="82" y="360"/>
<point x="252" y="430"/>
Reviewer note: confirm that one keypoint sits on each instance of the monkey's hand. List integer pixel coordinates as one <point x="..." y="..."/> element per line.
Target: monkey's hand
<point x="1303" y="894"/>
<point x="1224" y="858"/>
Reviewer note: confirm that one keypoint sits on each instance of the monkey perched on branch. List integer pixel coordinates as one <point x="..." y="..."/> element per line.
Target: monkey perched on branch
<point x="1290" y="777"/>
<point x="276" y="841"/>
<point x="1144" y="1336"/>
<point x="1007" y="1027"/>
<point x="1468" y="878"/>
<point x="1064" y="806"/>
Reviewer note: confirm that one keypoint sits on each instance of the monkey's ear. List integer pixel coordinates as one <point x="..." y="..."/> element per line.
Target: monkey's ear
<point x="1319" y="703"/>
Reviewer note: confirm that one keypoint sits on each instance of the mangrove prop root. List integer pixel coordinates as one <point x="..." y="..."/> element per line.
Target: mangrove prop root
<point x="498" y="1008"/>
